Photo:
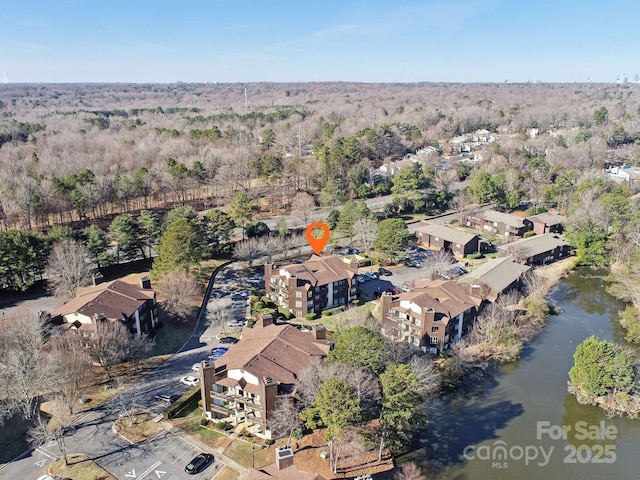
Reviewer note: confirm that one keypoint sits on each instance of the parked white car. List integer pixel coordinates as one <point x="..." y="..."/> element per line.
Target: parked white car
<point x="239" y="305"/>
<point x="190" y="381"/>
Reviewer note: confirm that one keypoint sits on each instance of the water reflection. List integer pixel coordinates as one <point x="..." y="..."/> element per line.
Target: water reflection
<point x="508" y="406"/>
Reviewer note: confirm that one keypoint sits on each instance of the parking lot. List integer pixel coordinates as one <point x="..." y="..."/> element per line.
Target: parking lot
<point x="423" y="263"/>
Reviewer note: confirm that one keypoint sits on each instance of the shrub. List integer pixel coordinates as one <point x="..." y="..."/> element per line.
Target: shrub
<point x="189" y="398"/>
<point x="222" y="425"/>
<point x="296" y="434"/>
<point x="310" y="316"/>
<point x="250" y="323"/>
<point x="474" y="256"/>
<point x="204" y="422"/>
<point x="287" y="314"/>
<point x="528" y="234"/>
<point x="269" y="441"/>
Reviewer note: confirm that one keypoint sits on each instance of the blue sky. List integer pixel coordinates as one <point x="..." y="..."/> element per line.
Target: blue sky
<point x="318" y="40"/>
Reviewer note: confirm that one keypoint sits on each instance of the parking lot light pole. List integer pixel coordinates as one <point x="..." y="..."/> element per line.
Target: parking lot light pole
<point x="253" y="457"/>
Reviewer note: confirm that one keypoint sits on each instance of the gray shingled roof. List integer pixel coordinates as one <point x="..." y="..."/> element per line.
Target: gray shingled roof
<point x="501" y="217"/>
<point x="447" y="233"/>
<point x="535" y="245"/>
<point x="497" y="273"/>
<point x="549" y="218"/>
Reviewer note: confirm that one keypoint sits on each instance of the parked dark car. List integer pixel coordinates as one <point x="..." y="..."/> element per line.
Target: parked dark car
<point x="384" y="271"/>
<point x="199" y="463"/>
<point x="228" y="340"/>
<point x="166" y="397"/>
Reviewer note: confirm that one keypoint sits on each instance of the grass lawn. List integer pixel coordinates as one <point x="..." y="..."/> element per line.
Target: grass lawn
<point x="240" y="451"/>
<point x="139" y="428"/>
<point x="227" y="473"/>
<point x="206" y="269"/>
<point x="191" y="424"/>
<point x="80" y="468"/>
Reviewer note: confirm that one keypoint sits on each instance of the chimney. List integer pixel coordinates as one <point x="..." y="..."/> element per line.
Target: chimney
<point x="97" y="278"/>
<point x="264" y="319"/>
<point x="435" y="275"/>
<point x="320" y="332"/>
<point x="284" y="457"/>
<point x="145" y="283"/>
<point x="353" y="265"/>
<point x="475" y="289"/>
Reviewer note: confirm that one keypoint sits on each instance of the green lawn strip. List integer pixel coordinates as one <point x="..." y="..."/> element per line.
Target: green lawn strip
<point x="241" y="452"/>
<point x="191" y="424"/>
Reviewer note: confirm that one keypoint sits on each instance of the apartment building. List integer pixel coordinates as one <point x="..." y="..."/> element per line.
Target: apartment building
<point x="113" y="301"/>
<point x="434" y="315"/>
<point x="244" y="386"/>
<point x="318" y="284"/>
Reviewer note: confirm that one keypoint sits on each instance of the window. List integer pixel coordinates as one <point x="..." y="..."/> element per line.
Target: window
<point x="457" y="245"/>
<point x="434" y="340"/>
<point x="298" y="304"/>
<point x="437" y="239"/>
<point x="434" y="329"/>
<point x="298" y="313"/>
<point x="310" y="294"/>
<point x="298" y="294"/>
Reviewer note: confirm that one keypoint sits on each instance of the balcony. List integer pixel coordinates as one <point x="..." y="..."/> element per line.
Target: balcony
<point x="234" y="397"/>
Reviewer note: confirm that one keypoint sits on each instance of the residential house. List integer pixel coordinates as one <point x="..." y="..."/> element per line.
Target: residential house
<point x="136" y="307"/>
<point x="622" y="173"/>
<point x="548" y="222"/>
<point x="442" y="237"/>
<point x="434" y="315"/>
<point x="318" y="284"/>
<point x="499" y="223"/>
<point x="537" y="250"/>
<point x="245" y="384"/>
<point x="494" y="277"/>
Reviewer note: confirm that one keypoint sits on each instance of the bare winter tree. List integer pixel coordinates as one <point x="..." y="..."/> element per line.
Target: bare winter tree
<point x="439" y="262"/>
<point x="303" y="205"/>
<point x="409" y="471"/>
<point x="462" y="204"/>
<point x="68" y="268"/>
<point x="425" y="372"/>
<point x="217" y="315"/>
<point x="55" y="429"/>
<point x="535" y="285"/>
<point x="26" y="369"/>
<point x="365" y="231"/>
<point x="180" y="291"/>
<point x="249" y="250"/>
<point x="71" y="367"/>
<point x="109" y="345"/>
<point x="350" y="445"/>
<point x="125" y="400"/>
<point x="139" y="349"/>
<point x="285" y="419"/>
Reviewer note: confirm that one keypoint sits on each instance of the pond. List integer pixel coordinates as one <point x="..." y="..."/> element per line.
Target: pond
<point x="519" y="422"/>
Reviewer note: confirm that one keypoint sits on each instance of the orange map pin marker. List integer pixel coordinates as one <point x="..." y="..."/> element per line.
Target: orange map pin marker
<point x="318" y="243"/>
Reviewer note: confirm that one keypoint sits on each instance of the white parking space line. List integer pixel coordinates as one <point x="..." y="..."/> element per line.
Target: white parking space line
<point x="46" y="454"/>
<point x="150" y="469"/>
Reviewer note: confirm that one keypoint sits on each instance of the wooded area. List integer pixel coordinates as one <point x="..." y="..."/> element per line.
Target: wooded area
<point x="109" y="160"/>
